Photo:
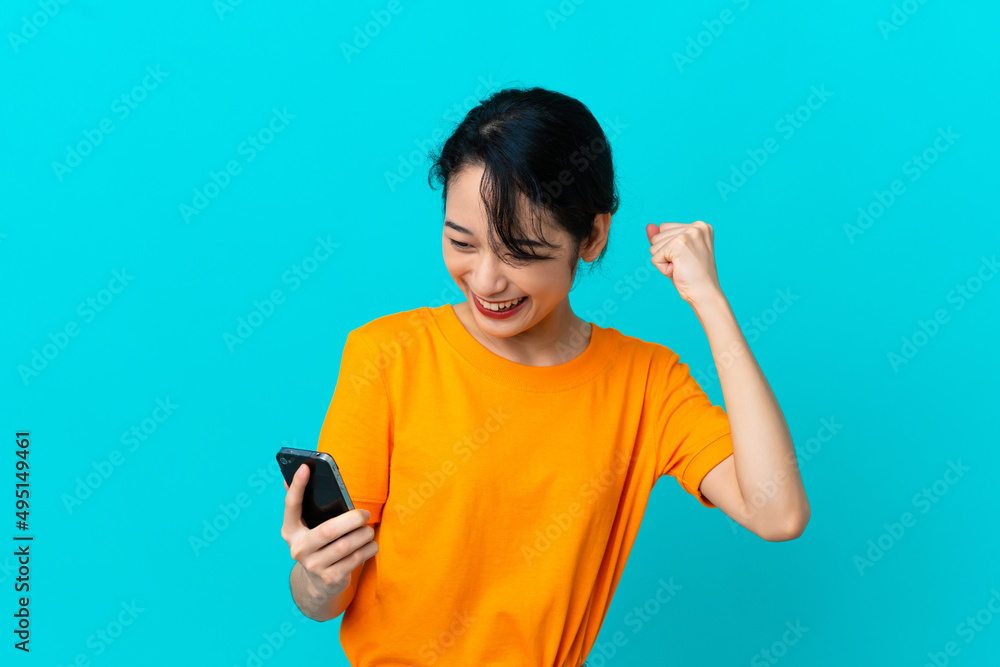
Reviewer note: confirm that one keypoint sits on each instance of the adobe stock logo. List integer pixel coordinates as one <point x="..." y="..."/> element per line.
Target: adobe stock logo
<point x="433" y="648"/>
<point x="968" y="629"/>
<point x="787" y="125"/>
<point x="926" y="330"/>
<point x="104" y="468"/>
<point x="898" y="18"/>
<point x="827" y="431"/>
<point x="363" y="38"/>
<point x="105" y="636"/>
<point x="559" y="523"/>
<point x="249" y="148"/>
<point x="581" y="159"/>
<point x="230" y="511"/>
<point x="121" y="106"/>
<point x="38" y="20"/>
<point x="915" y="167"/>
<point x="563" y="11"/>
<point x="779" y="648"/>
<point x="696" y="44"/>
<point x="434" y="479"/>
<point x="406" y="165"/>
<point x="603" y="652"/>
<point x="263" y="310"/>
<point x="223" y="7"/>
<point x="87" y="309"/>
<point x="924" y="500"/>
<point x="753" y="331"/>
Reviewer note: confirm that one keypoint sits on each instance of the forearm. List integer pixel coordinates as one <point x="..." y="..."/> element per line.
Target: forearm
<point x="763" y="454"/>
<point x="317" y="608"/>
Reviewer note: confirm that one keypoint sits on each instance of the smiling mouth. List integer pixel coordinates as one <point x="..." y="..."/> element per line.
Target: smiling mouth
<point x="500" y="306"/>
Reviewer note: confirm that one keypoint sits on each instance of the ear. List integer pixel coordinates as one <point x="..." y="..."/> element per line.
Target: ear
<point x="598" y="237"/>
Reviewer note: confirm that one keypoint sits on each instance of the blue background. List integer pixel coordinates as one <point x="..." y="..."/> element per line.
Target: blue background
<point x="362" y="116"/>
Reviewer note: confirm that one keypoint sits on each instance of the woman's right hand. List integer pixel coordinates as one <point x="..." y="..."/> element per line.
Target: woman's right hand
<point x="329" y="552"/>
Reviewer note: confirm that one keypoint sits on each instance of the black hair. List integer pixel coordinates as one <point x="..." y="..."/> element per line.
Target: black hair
<point x="537" y="143"/>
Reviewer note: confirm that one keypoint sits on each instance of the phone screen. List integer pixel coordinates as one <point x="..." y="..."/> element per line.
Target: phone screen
<point x="325" y="495"/>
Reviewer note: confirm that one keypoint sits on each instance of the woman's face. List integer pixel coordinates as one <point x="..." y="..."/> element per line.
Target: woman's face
<point x="541" y="284"/>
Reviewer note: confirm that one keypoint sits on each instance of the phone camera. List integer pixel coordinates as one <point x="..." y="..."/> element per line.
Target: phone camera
<point x="283" y="460"/>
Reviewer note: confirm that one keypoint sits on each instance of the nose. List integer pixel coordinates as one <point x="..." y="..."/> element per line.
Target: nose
<point x="488" y="275"/>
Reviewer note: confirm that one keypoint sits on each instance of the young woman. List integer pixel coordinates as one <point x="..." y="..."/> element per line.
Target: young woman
<point x="500" y="452"/>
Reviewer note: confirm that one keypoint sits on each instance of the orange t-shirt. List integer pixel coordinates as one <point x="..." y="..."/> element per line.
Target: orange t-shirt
<point x="505" y="498"/>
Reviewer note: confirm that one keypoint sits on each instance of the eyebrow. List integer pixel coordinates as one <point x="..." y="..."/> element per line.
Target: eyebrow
<point x="463" y="230"/>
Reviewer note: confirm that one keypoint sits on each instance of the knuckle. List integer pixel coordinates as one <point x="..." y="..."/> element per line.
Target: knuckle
<point x="341" y="549"/>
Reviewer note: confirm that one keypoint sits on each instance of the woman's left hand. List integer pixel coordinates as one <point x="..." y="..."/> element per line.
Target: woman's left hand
<point x="685" y="253"/>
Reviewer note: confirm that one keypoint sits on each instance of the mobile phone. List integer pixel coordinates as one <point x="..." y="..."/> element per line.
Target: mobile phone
<point x="325" y="495"/>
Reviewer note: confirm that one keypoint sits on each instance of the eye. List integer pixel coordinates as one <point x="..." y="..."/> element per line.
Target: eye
<point x="459" y="244"/>
<point x="527" y="260"/>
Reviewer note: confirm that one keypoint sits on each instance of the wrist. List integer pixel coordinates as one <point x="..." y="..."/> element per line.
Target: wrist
<point x="312" y="593"/>
<point x="711" y="305"/>
<point x="320" y="594"/>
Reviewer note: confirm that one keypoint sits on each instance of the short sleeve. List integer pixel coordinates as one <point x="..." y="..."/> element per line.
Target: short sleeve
<point x="694" y="434"/>
<point x="357" y="430"/>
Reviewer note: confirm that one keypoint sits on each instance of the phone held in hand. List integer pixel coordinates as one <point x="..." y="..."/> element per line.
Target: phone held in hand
<point x="325" y="495"/>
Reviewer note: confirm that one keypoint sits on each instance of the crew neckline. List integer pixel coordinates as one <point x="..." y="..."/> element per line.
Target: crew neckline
<point x="541" y="379"/>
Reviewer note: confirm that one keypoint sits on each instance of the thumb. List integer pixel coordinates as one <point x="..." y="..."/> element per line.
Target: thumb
<point x="651" y="231"/>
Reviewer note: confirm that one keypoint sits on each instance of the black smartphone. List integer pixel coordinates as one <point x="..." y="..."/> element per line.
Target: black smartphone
<point x="325" y="495"/>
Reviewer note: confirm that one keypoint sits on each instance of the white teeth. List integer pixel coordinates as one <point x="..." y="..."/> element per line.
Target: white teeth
<point x="501" y="306"/>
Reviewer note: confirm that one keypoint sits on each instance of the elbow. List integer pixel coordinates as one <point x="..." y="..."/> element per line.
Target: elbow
<point x="790" y="529"/>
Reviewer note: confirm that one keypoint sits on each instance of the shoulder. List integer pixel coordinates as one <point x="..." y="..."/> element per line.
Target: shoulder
<point x="639" y="350"/>
<point x="664" y="372"/>
<point x="409" y="330"/>
<point x="394" y="325"/>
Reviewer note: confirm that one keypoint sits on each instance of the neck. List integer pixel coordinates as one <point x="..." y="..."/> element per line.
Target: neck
<point x="559" y="337"/>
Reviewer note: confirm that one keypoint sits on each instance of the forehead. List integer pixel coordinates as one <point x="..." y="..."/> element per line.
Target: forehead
<point x="463" y="202"/>
<point x="465" y="210"/>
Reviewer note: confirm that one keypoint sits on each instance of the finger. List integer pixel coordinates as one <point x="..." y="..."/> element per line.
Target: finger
<point x="692" y="240"/>
<point x="343" y="566"/>
<point x="660" y="239"/>
<point x="293" y="498"/>
<point x="666" y="268"/>
<point x="666" y="246"/>
<point x="333" y="552"/>
<point x="663" y="254"/>
<point x="332" y="529"/>
<point x="662" y="248"/>
<point x="653" y="229"/>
